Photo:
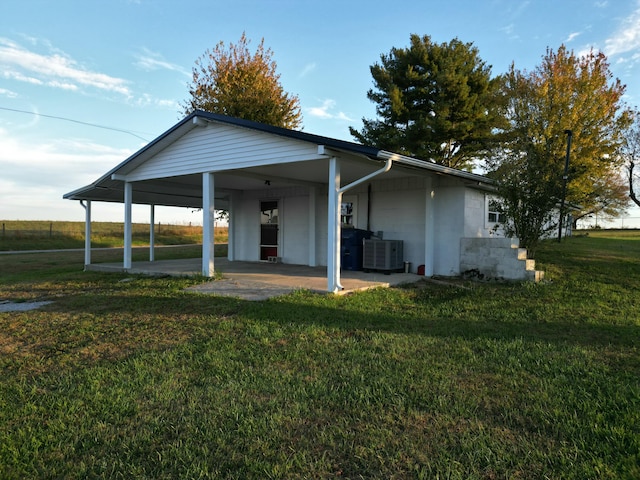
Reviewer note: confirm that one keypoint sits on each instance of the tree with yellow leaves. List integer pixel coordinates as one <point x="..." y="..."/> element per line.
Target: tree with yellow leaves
<point x="564" y="93"/>
<point x="233" y="81"/>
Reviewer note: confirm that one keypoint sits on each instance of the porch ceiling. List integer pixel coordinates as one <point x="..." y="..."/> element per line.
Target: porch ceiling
<point x="186" y="190"/>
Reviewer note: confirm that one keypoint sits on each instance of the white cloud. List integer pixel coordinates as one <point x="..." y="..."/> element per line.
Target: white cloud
<point x="572" y="36"/>
<point x="53" y="69"/>
<point x="13" y="75"/>
<point x="627" y="37"/>
<point x="63" y="163"/>
<point x="324" y="111"/>
<point x="8" y="93"/>
<point x="145" y="100"/>
<point x="510" y="31"/>
<point x="62" y="85"/>
<point x="308" y="68"/>
<point x="148" y="60"/>
<point x="515" y="10"/>
<point x="35" y="175"/>
<point x="343" y="116"/>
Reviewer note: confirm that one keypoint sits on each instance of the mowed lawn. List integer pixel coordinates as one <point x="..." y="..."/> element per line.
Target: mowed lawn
<point x="132" y="377"/>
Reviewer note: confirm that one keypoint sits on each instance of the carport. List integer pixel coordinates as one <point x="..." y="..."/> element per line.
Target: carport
<point x="215" y="162"/>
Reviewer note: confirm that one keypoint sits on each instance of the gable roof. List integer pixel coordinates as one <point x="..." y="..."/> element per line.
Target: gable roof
<point x="180" y="192"/>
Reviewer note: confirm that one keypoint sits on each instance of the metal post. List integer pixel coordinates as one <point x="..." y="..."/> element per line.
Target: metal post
<point x="152" y="235"/>
<point x="208" y="224"/>
<point x="128" y="227"/>
<point x="87" y="232"/>
<point x="333" y="227"/>
<point x="565" y="177"/>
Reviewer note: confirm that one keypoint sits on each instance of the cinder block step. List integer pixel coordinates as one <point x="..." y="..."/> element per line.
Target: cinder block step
<point x="535" y="275"/>
<point x="500" y="258"/>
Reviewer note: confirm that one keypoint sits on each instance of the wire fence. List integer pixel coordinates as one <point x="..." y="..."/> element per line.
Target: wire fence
<point x="41" y="230"/>
<point x="624" y="223"/>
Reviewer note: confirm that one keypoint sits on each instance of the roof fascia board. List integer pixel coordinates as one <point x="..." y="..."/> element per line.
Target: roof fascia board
<point x="434" y="167"/>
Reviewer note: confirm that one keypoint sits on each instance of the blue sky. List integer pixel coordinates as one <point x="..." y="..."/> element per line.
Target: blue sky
<point x="125" y="65"/>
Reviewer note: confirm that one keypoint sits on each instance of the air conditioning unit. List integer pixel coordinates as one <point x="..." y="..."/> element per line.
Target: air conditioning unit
<point x="384" y="255"/>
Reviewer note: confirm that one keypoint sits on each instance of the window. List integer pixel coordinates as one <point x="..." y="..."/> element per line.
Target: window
<point x="494" y="215"/>
<point x="348" y="211"/>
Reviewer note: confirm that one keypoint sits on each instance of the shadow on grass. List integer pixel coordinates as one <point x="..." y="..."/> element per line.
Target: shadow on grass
<point x="366" y="311"/>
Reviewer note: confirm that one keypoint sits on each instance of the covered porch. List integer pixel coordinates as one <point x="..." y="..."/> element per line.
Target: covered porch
<point x="284" y="191"/>
<point x="259" y="280"/>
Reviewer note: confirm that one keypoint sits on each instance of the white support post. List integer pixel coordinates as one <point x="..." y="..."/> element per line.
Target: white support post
<point x="87" y="234"/>
<point x="429" y="229"/>
<point x="333" y="228"/>
<point x="152" y="233"/>
<point x="128" y="200"/>
<point x="312" y="227"/>
<point x="231" y="228"/>
<point x="208" y="224"/>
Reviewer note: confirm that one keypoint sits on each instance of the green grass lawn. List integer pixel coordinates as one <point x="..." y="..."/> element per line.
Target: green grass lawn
<point x="132" y="377"/>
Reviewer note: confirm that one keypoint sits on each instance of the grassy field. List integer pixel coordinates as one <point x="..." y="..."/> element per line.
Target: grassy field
<point x="132" y="377"/>
<point x="33" y="235"/>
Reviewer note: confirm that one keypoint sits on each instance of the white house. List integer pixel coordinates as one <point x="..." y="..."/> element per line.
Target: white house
<point x="290" y="194"/>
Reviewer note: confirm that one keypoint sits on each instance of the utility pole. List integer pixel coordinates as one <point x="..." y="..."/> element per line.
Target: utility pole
<point x="565" y="177"/>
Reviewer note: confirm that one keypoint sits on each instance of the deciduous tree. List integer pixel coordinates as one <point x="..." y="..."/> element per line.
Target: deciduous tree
<point x="630" y="153"/>
<point x="233" y="81"/>
<point x="434" y="101"/>
<point x="565" y="92"/>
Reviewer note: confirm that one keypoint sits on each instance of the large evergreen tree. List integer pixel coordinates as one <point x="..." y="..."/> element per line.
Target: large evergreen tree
<point x="434" y="101"/>
<point x="233" y="81"/>
<point x="565" y="92"/>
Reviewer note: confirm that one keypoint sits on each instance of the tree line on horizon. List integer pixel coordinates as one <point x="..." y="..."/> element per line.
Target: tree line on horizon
<point x="440" y="102"/>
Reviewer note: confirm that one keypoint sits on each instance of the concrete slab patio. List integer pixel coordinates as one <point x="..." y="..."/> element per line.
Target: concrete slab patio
<point x="259" y="280"/>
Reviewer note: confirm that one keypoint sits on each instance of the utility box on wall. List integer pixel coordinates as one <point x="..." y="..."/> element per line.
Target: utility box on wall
<point x="383" y="255"/>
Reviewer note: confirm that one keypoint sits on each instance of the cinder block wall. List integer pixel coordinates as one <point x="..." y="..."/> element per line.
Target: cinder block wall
<point x="496" y="259"/>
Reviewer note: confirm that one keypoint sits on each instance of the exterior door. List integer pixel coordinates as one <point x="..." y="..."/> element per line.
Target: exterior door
<point x="269" y="230"/>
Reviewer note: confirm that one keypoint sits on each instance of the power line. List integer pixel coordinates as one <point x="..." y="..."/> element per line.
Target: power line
<point x="75" y="121"/>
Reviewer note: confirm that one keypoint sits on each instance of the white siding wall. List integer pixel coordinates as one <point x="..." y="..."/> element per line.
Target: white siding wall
<point x="475" y="214"/>
<point x="322" y="207"/>
<point x="294" y="230"/>
<point x="449" y="204"/>
<point x="222" y="147"/>
<point x="247" y="216"/>
<point x="397" y="209"/>
<point x="293" y="224"/>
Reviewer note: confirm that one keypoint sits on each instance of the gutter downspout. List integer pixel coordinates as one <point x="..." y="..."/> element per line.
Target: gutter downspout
<point x="384" y="169"/>
<point x="335" y="201"/>
<point x="87" y="232"/>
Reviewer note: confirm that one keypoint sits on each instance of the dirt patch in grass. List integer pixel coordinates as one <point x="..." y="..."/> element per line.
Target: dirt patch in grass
<point x="7" y="306"/>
